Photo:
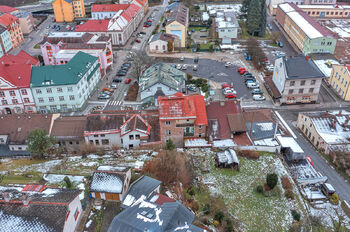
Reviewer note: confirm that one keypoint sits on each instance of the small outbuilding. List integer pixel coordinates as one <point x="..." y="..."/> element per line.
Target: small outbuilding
<point x="227" y="159"/>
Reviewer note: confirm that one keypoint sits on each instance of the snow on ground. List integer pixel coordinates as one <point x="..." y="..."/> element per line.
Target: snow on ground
<point x="41" y="167"/>
<point x="56" y="178"/>
<point x="81" y="186"/>
<point x="196" y="143"/>
<point x="224" y="143"/>
<point x="93" y="156"/>
<point x="74" y="158"/>
<point x="87" y="225"/>
<point x="328" y="212"/>
<point x="90" y="164"/>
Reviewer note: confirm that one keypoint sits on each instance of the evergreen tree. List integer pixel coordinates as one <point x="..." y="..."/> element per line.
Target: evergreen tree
<point x="39" y="142"/>
<point x="244" y="8"/>
<point x="253" y="17"/>
<point x="262" y="31"/>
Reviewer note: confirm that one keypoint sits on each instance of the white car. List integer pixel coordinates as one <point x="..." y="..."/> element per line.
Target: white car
<point x="114" y="86"/>
<point x="227" y="64"/>
<point x="252" y="85"/>
<point x="229" y="90"/>
<point x="258" y="97"/>
<point x="184" y="67"/>
<point x="195" y="68"/>
<point x="179" y="66"/>
<point x="182" y="58"/>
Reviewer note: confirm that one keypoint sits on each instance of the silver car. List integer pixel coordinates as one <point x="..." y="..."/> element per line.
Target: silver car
<point x="258" y="97"/>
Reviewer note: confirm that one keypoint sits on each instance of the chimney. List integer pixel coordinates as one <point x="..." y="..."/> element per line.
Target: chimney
<point x="7" y="197"/>
<point x="333" y="123"/>
<point x="25" y="199"/>
<point x="326" y="113"/>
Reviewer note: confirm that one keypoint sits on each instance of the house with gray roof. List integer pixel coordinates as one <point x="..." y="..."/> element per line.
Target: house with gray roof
<point x="297" y="79"/>
<point x="159" y="214"/>
<point x="227" y="26"/>
<point x="158" y="43"/>
<point x="143" y="186"/>
<point x="160" y="77"/>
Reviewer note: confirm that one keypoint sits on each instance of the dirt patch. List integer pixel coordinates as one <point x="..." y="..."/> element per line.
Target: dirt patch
<point x="132" y="92"/>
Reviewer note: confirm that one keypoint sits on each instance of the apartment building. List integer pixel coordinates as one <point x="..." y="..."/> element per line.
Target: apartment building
<point x="297" y="79"/>
<point x="26" y="21"/>
<point x="177" y="22"/>
<point x="66" y="87"/>
<point x="182" y="117"/>
<point x="227" y="26"/>
<point x="59" y="47"/>
<point x="5" y="41"/>
<point x="327" y="10"/>
<point x="68" y="10"/>
<point x="272" y="5"/>
<point x="340" y="81"/>
<point x="12" y="25"/>
<point x="307" y="34"/>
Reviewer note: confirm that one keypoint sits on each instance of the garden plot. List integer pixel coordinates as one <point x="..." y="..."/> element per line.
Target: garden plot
<point x="255" y="211"/>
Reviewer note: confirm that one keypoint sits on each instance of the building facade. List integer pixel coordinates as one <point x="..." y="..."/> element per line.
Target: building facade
<point x="158" y="43"/>
<point x="177" y="23"/>
<point x="227" y="26"/>
<point x="68" y="10"/>
<point x="67" y="87"/>
<point x="5" y="41"/>
<point x="340" y="81"/>
<point x="119" y="28"/>
<point x="12" y="25"/>
<point x="297" y="79"/>
<point x="15" y="93"/>
<point x="26" y="21"/>
<point x="60" y="47"/>
<point x="307" y="34"/>
<point x="182" y="117"/>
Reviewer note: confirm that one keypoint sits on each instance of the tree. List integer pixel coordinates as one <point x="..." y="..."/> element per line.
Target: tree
<point x="254" y="17"/>
<point x="169" y="145"/>
<point x="271" y="180"/>
<point x="210" y="21"/>
<point x="244" y="8"/>
<point x="211" y="48"/>
<point x="39" y="142"/>
<point x="141" y="61"/>
<point x="275" y="36"/>
<point x="68" y="182"/>
<point x="262" y="31"/>
<point x="170" y="45"/>
<point x="219" y="216"/>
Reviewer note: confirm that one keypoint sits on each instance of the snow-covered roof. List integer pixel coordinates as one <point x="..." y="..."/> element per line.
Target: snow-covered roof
<point x="107" y="182"/>
<point x="323" y="66"/>
<point x="303" y="24"/>
<point x="228" y="156"/>
<point x="286" y="7"/>
<point x="329" y="187"/>
<point x="289" y="142"/>
<point x="197" y="143"/>
<point x="224" y="143"/>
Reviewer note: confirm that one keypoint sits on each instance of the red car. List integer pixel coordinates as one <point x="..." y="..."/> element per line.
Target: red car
<point x="127" y="80"/>
<point x="230" y="95"/>
<point x="240" y="69"/>
<point x="137" y="41"/>
<point x="226" y="86"/>
<point x="243" y="71"/>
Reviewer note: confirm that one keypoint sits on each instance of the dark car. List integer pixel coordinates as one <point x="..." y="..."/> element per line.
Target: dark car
<point x="248" y="74"/>
<point x="280" y="44"/>
<point x="126" y="65"/>
<point x="121" y="73"/>
<point x="257" y="91"/>
<point x="117" y="80"/>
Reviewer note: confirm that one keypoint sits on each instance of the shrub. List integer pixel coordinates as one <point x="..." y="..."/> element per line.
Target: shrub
<point x="229" y="225"/>
<point x="191" y="191"/>
<point x="289" y="194"/>
<point x="169" y="145"/>
<point x="296" y="215"/>
<point x="249" y="154"/>
<point x="334" y="199"/>
<point x="260" y="189"/>
<point x="68" y="182"/>
<point x="206" y="209"/>
<point x="271" y="180"/>
<point x="194" y="205"/>
<point x="219" y="216"/>
<point x="286" y="184"/>
<point x="216" y="223"/>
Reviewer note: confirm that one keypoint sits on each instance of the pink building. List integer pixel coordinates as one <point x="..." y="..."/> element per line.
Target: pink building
<point x="59" y="47"/>
<point x="15" y="93"/>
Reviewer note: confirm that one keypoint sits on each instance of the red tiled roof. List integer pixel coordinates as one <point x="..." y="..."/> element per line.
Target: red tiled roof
<point x="242" y="139"/>
<point x="7" y="9"/>
<point x="180" y="106"/>
<point x="130" y="12"/>
<point x="33" y="188"/>
<point x="93" y="25"/>
<point x="108" y="7"/>
<point x="218" y="111"/>
<point x="6" y="19"/>
<point x="163" y="199"/>
<point x="348" y="67"/>
<point x="21" y="58"/>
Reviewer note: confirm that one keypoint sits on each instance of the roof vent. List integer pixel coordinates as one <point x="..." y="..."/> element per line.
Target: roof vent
<point x="19" y="129"/>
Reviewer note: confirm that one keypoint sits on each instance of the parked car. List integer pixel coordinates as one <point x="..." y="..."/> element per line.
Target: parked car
<point x="280" y="44"/>
<point x="257" y="91"/>
<point x="195" y="68"/>
<point x="240" y="69"/>
<point x="327" y="189"/>
<point x="117" y="80"/>
<point x="108" y="89"/>
<point x="126" y="64"/>
<point x="226" y="86"/>
<point x="229" y="90"/>
<point x="248" y="74"/>
<point x="243" y="71"/>
<point x="137" y="40"/>
<point x="107" y="93"/>
<point x="142" y="33"/>
<point x="230" y="95"/>
<point x="179" y="66"/>
<point x="182" y="58"/>
<point x="228" y="64"/>
<point x="192" y="88"/>
<point x="127" y="80"/>
<point x="121" y="73"/>
<point x="258" y="97"/>
<point x="124" y="68"/>
<point x="247" y="57"/>
<point x="103" y="96"/>
<point x="184" y="67"/>
<point x="269" y="26"/>
<point x="252" y="85"/>
<point x="113" y="86"/>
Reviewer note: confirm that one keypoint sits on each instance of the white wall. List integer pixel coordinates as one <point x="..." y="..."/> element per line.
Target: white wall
<point x="114" y="139"/>
<point x="3" y="139"/>
<point x="22" y="147"/>
<point x="71" y="223"/>
<point x="102" y="15"/>
<point x="160" y="43"/>
<point x="230" y="32"/>
<point x="260" y="148"/>
<point x="135" y="142"/>
<point x="279" y="75"/>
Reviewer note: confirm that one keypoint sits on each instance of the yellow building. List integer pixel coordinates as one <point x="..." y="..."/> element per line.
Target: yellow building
<point x="340" y="80"/>
<point x="177" y="23"/>
<point x="68" y="10"/>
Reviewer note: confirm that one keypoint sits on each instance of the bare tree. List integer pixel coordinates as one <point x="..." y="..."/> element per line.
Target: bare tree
<point x="141" y="62"/>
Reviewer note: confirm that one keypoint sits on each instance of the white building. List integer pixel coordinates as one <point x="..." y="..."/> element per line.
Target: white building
<point x="227" y="26"/>
<point x="158" y="43"/>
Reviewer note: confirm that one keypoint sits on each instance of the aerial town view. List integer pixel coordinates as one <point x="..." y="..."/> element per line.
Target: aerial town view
<point x="174" y="116"/>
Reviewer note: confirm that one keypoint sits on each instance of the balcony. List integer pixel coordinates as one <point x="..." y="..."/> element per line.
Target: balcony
<point x="188" y="134"/>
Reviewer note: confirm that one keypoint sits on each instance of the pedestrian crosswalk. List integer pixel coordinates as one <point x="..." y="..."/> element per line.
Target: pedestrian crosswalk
<point x="114" y="103"/>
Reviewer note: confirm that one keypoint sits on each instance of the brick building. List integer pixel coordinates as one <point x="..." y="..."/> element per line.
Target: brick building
<point x="182" y="117"/>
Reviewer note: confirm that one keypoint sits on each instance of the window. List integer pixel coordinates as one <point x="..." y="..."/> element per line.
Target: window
<point x="24" y="91"/>
<point x="168" y="132"/>
<point x="41" y="100"/>
<point x="72" y="97"/>
<point x="61" y="98"/>
<point x="95" y="136"/>
<point x="137" y="136"/>
<point x="59" y="90"/>
<point x="292" y="83"/>
<point x="2" y="94"/>
<point x="200" y="126"/>
<point x="329" y="43"/>
<point x="323" y="43"/>
<point x="342" y="80"/>
<point x="311" y="90"/>
<point x="69" y="89"/>
<point x="38" y="91"/>
<point x="91" y="141"/>
<point x="51" y="99"/>
<point x="48" y="90"/>
<point x="102" y="135"/>
<point x="346" y="83"/>
<point x="105" y="141"/>
<point x="301" y="90"/>
<point x="302" y="83"/>
<point x="290" y="91"/>
<point x="4" y="102"/>
<point x="131" y="137"/>
<point x="76" y="214"/>
<point x="26" y="100"/>
<point x="167" y="123"/>
<point x="12" y="93"/>
<point x="313" y="82"/>
<point x="14" y="101"/>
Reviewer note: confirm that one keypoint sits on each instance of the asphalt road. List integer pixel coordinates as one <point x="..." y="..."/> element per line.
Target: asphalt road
<point x="341" y="186"/>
